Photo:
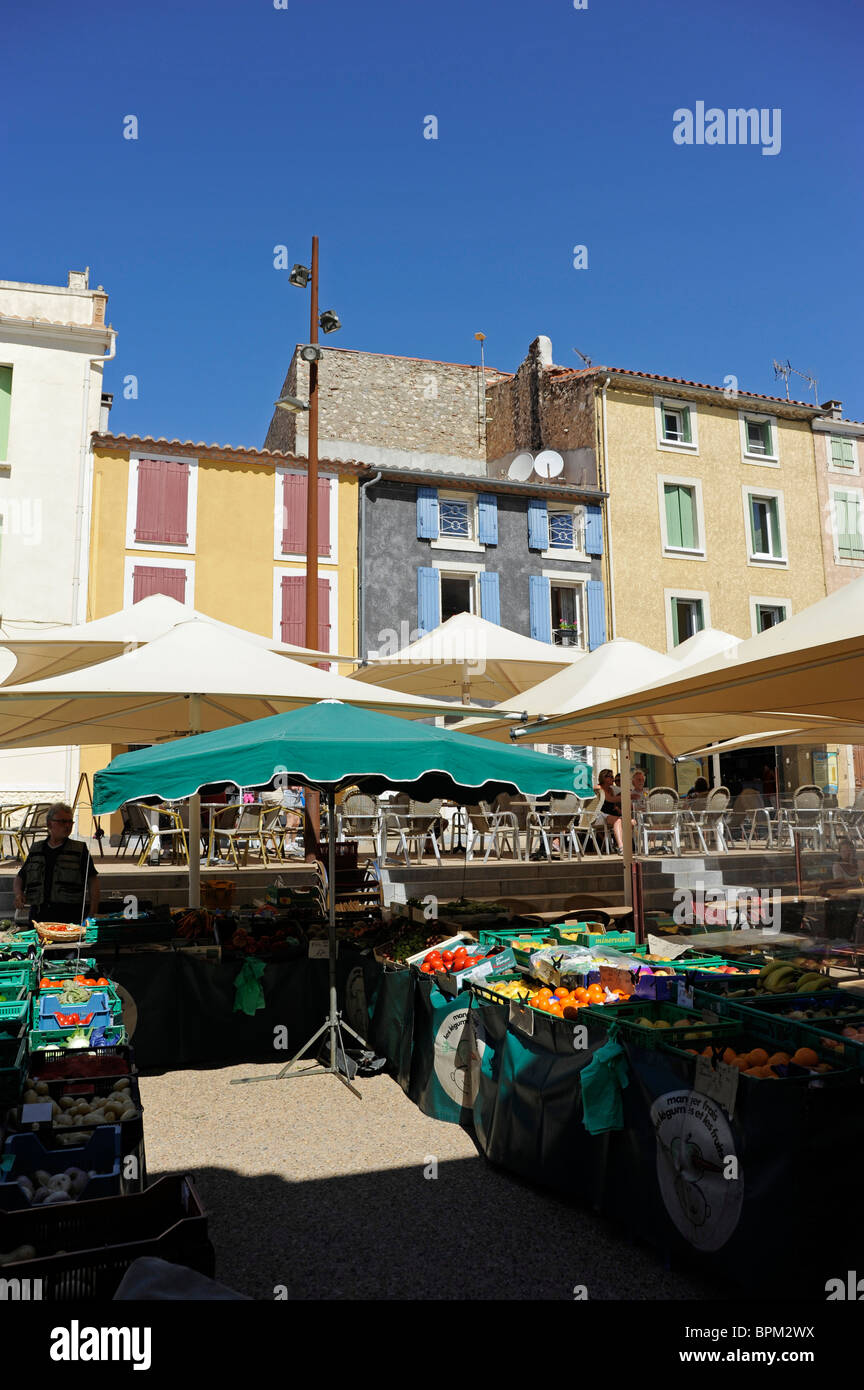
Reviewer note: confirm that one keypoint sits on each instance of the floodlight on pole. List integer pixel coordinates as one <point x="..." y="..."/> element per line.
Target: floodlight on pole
<point x="329" y="321"/>
<point x="311" y="352"/>
<point x="300" y="276"/>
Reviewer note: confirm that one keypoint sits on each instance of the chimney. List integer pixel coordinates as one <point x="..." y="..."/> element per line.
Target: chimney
<point x="100" y="299"/>
<point x="79" y="279"/>
<point x="833" y="409"/>
<point x="105" y="410"/>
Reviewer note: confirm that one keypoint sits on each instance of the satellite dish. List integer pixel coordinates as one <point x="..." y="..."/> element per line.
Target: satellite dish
<point x="521" y="468"/>
<point x="548" y="464"/>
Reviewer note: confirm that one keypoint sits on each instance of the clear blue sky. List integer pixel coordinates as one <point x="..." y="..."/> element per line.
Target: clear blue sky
<point x="260" y="126"/>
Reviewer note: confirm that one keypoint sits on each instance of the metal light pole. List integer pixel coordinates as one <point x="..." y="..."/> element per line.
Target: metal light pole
<point x="312" y="818"/>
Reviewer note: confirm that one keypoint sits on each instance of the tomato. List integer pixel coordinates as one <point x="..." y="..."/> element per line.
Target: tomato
<point x="447" y="957"/>
<point x="426" y="968"/>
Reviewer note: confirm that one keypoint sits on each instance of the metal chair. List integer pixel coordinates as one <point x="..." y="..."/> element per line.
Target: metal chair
<point x="136" y="827"/>
<point x="804" y="817"/>
<point x="359" y="818"/>
<point x="584" y="828"/>
<point x="499" y="827"/>
<point x="423" y="825"/>
<point x="661" y="820"/>
<point x="254" y="826"/>
<point x="35" y="823"/>
<point x="174" y="832"/>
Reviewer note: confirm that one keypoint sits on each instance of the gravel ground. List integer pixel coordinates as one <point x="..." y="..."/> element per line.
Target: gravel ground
<point x="309" y="1188"/>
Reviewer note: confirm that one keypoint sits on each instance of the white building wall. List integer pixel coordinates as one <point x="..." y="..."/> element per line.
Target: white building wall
<point x="48" y="336"/>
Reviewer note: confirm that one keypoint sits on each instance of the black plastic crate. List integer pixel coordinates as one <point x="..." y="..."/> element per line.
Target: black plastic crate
<point x="102" y="1238"/>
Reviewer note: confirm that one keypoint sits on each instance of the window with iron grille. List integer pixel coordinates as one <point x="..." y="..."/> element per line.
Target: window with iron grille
<point x="456" y="518"/>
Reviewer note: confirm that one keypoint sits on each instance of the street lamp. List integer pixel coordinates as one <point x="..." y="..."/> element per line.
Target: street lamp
<point x="301" y="276"/>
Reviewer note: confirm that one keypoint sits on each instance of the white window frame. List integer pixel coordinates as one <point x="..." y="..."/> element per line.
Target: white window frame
<point x="765" y="561"/>
<point x="569" y="581"/>
<point x="297" y="571"/>
<point x="672" y="551"/>
<point x="669" y="595"/>
<point x="456" y="542"/>
<point x="769" y="601"/>
<point x="765" y="460"/>
<point x="156" y="562"/>
<point x="278" y="553"/>
<point x="557" y="553"/>
<point x="132" y="505"/>
<point x="852" y="472"/>
<point x="670" y="403"/>
<point x="835" y="538"/>
<point x="461" y="569"/>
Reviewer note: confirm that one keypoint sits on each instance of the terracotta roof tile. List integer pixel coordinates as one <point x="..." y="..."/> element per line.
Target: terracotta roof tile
<point x="138" y="442"/>
<point x="675" y="381"/>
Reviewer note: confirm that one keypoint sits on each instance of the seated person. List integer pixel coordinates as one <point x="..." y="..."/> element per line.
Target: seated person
<point x="846" y="871"/>
<point x="610" y="808"/>
<point x="638" y="791"/>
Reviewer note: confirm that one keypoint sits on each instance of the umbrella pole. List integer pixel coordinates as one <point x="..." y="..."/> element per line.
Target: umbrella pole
<point x="194" y="846"/>
<point x="626" y="821"/>
<point x="333" y="1024"/>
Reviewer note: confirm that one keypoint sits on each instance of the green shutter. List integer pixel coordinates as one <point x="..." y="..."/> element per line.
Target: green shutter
<point x="842" y="455"/>
<point x="774" y="527"/>
<point x="673" y="515"/>
<point x="766" y="438"/>
<point x="761" y="545"/>
<point x="685" y="425"/>
<point x="847" y="512"/>
<point x="687" y="503"/>
<point x="5" y="408"/>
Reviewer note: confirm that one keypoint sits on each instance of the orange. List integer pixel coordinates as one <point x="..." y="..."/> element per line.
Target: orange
<point x="544" y="993"/>
<point x="707" y="1052"/>
<point x="758" y="1057"/>
<point x="561" y="993"/>
<point x="729" y="1056"/>
<point x="806" y="1057"/>
<point x="742" y="1063"/>
<point x="779" y="1059"/>
<point x="755" y="1071"/>
<point x="581" y="994"/>
<point x="596" y="994"/>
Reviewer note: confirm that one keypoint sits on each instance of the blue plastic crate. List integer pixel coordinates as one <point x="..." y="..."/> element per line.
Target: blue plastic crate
<point x="48" y="1012"/>
<point x="24" y="1155"/>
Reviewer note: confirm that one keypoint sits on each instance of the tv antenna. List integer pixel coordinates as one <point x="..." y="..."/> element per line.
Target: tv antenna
<point x="586" y="360"/>
<point x="785" y="369"/>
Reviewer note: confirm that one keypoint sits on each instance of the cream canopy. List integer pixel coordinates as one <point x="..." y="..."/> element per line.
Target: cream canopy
<point x="711" y="641"/>
<point x="468" y="658"/>
<point x="144" y="696"/>
<point x="60" y="649"/>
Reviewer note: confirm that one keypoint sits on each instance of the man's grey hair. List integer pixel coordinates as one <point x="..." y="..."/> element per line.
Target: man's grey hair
<point x="58" y="806"/>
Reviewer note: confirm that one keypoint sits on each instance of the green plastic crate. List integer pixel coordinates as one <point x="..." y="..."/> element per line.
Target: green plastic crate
<point x="115" y="1036"/>
<point x="690" y="1021"/>
<point x="744" y="1038"/>
<point x="14" y="985"/>
<point x="67" y="969"/>
<point x="12" y="1075"/>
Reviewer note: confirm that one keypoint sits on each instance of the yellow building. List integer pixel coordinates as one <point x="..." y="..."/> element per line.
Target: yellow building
<point x="223" y="530"/>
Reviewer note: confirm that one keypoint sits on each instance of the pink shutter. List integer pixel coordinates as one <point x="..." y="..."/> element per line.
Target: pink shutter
<point x="150" y="477"/>
<point x="323" y="615"/>
<point x="323" y="516"/>
<point x="294" y="609"/>
<point x="155" y="579"/>
<point x="294" y="514"/>
<point x="175" y="504"/>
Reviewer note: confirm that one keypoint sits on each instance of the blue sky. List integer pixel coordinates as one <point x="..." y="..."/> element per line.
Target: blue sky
<point x="258" y="127"/>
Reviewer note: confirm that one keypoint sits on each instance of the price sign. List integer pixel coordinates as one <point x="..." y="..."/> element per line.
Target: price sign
<point x="319" y="950"/>
<point x="36" y="1114"/>
<point x="615" y="978"/>
<point x="720" y="1082"/>
<point x="522" y="1018"/>
<point x="666" y="950"/>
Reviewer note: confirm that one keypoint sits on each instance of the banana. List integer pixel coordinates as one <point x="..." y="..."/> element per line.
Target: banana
<point x="811" y="981"/>
<point x="781" y="981"/>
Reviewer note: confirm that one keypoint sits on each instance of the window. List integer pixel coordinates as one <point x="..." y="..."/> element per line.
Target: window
<point x="688" y="618"/>
<point x="681" y="516"/>
<point x="568" y="614"/>
<point x="841" y="454"/>
<point x="846" y="517"/>
<point x="145" y="577"/>
<point x="765" y="538"/>
<point x="162" y="504"/>
<point x="759" y="438"/>
<point x="766" y="613"/>
<point x="455" y="523"/>
<point x="460" y="588"/>
<point x="456" y="516"/>
<point x="5" y="410"/>
<point x="566" y="531"/>
<point x="676" y="424"/>
<point x="457" y="594"/>
<point x="292" y="511"/>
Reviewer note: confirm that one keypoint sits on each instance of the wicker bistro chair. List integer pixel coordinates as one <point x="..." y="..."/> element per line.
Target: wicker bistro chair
<point x="359" y="818"/>
<point x="586" y="829"/>
<point x="424" y="826"/>
<point x="157" y="833"/>
<point x="254" y="828"/>
<point x="804" y="817"/>
<point x="554" y="822"/>
<point x="699" y="822"/>
<point x="501" y="828"/>
<point x="394" y="821"/>
<point x="661" y="820"/>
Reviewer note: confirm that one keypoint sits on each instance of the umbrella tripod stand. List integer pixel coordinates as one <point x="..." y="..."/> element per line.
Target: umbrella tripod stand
<point x="333" y="1026"/>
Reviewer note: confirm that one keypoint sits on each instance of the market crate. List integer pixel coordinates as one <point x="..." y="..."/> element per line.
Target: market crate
<point x="484" y="989"/>
<point x="14" y="985"/>
<point x="101" y="1239"/>
<point x="688" y="1021"/>
<point x="50" y="1016"/>
<point x="37" y="1040"/>
<point x="605" y="940"/>
<point x="12" y="1072"/>
<point x="837" y="1001"/>
<point x="68" y="969"/>
<point x="771" y="1022"/>
<point x="12" y="1031"/>
<point x="505" y="936"/>
<point x="24" y="1155"/>
<point x="53" y="1135"/>
<point x="851" y="1050"/>
<point x="744" y="1038"/>
<point x="81" y="1064"/>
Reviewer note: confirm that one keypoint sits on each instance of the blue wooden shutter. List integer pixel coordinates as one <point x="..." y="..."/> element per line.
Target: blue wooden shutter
<point x="490" y="597"/>
<point x="427" y="514"/>
<point x="487" y="518"/>
<point x="593" y="531"/>
<point x="540" y="605"/>
<point x="428" y="599"/>
<point x="538" y="524"/>
<point x="596" y="614"/>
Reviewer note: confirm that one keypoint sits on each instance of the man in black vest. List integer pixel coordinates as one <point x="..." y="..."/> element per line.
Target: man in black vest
<point x="57" y="874"/>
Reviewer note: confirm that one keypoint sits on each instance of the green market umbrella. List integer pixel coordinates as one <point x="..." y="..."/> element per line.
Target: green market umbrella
<point x="325" y="746"/>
